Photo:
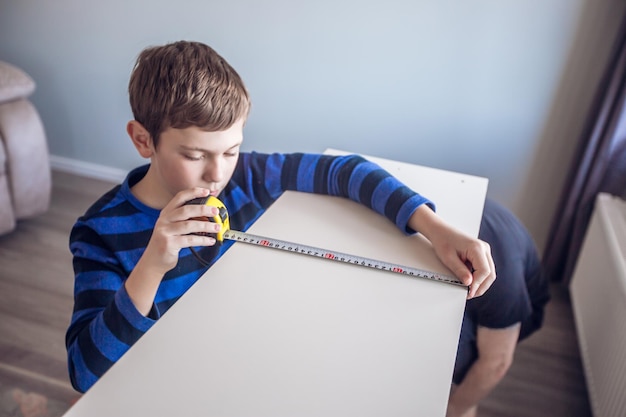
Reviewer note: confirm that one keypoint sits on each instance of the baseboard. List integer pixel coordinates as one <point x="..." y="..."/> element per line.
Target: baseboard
<point x="87" y="169"/>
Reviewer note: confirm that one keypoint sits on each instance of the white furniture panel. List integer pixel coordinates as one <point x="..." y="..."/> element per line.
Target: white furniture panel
<point x="271" y="333"/>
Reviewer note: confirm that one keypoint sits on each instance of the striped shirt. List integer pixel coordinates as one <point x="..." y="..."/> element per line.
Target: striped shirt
<point x="108" y="240"/>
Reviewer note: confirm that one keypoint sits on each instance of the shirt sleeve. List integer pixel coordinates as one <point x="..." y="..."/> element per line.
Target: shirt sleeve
<point x="267" y="176"/>
<point x="105" y="322"/>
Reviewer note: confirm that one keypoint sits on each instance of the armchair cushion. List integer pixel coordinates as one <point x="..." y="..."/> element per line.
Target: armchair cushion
<point x="14" y="83"/>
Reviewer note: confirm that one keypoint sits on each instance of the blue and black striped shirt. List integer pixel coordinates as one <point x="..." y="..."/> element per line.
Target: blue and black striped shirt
<point x="108" y="240"/>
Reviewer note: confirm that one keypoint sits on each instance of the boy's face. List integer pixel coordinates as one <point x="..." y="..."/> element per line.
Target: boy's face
<point x="192" y="157"/>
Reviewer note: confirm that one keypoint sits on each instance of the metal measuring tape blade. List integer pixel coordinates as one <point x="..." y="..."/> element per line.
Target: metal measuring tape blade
<point x="267" y="242"/>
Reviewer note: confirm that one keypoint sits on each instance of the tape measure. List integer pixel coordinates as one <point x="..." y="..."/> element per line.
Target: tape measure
<point x="226" y="233"/>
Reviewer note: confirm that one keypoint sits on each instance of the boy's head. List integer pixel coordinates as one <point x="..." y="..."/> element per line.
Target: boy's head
<point x="186" y="84"/>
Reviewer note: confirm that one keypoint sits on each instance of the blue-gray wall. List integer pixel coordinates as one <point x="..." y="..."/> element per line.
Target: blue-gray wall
<point x="496" y="88"/>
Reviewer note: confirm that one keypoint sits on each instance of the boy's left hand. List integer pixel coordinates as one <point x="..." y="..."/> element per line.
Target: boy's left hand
<point x="468" y="258"/>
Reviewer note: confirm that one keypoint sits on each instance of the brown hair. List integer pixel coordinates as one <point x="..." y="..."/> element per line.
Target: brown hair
<point x="185" y="84"/>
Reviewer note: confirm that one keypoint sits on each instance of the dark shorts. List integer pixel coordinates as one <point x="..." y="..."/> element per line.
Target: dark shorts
<point x="467" y="352"/>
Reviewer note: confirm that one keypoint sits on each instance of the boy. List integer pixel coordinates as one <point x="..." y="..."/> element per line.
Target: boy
<point x="131" y="249"/>
<point x="508" y="313"/>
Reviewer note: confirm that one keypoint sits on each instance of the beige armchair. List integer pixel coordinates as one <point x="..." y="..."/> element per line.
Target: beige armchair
<point x="25" y="179"/>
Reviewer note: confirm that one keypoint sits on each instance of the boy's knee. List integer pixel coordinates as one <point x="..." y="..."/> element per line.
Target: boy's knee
<point x="501" y="366"/>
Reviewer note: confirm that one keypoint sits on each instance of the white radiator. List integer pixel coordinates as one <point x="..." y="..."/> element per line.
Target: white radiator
<point x="598" y="292"/>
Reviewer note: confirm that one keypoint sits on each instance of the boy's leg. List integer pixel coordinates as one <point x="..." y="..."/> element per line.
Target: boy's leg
<point x="495" y="355"/>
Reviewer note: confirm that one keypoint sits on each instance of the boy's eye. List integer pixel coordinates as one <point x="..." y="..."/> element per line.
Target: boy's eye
<point x="200" y="157"/>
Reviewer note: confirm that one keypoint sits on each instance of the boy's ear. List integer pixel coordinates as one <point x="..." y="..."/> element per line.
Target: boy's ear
<point x="141" y="138"/>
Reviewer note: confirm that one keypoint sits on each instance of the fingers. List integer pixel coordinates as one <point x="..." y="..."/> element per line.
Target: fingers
<point x="483" y="270"/>
<point x="188" y="228"/>
<point x="191" y="240"/>
<point x="471" y="262"/>
<point x="460" y="269"/>
<point x="189" y="194"/>
<point x="181" y="225"/>
<point x="188" y="224"/>
<point x="178" y="209"/>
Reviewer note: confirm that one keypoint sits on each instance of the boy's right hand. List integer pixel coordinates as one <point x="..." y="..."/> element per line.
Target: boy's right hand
<point x="179" y="227"/>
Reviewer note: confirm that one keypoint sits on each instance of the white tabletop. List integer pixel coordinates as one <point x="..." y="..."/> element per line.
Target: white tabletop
<point x="271" y="333"/>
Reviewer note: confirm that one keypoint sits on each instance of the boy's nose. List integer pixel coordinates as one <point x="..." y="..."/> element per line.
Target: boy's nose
<point x="213" y="172"/>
